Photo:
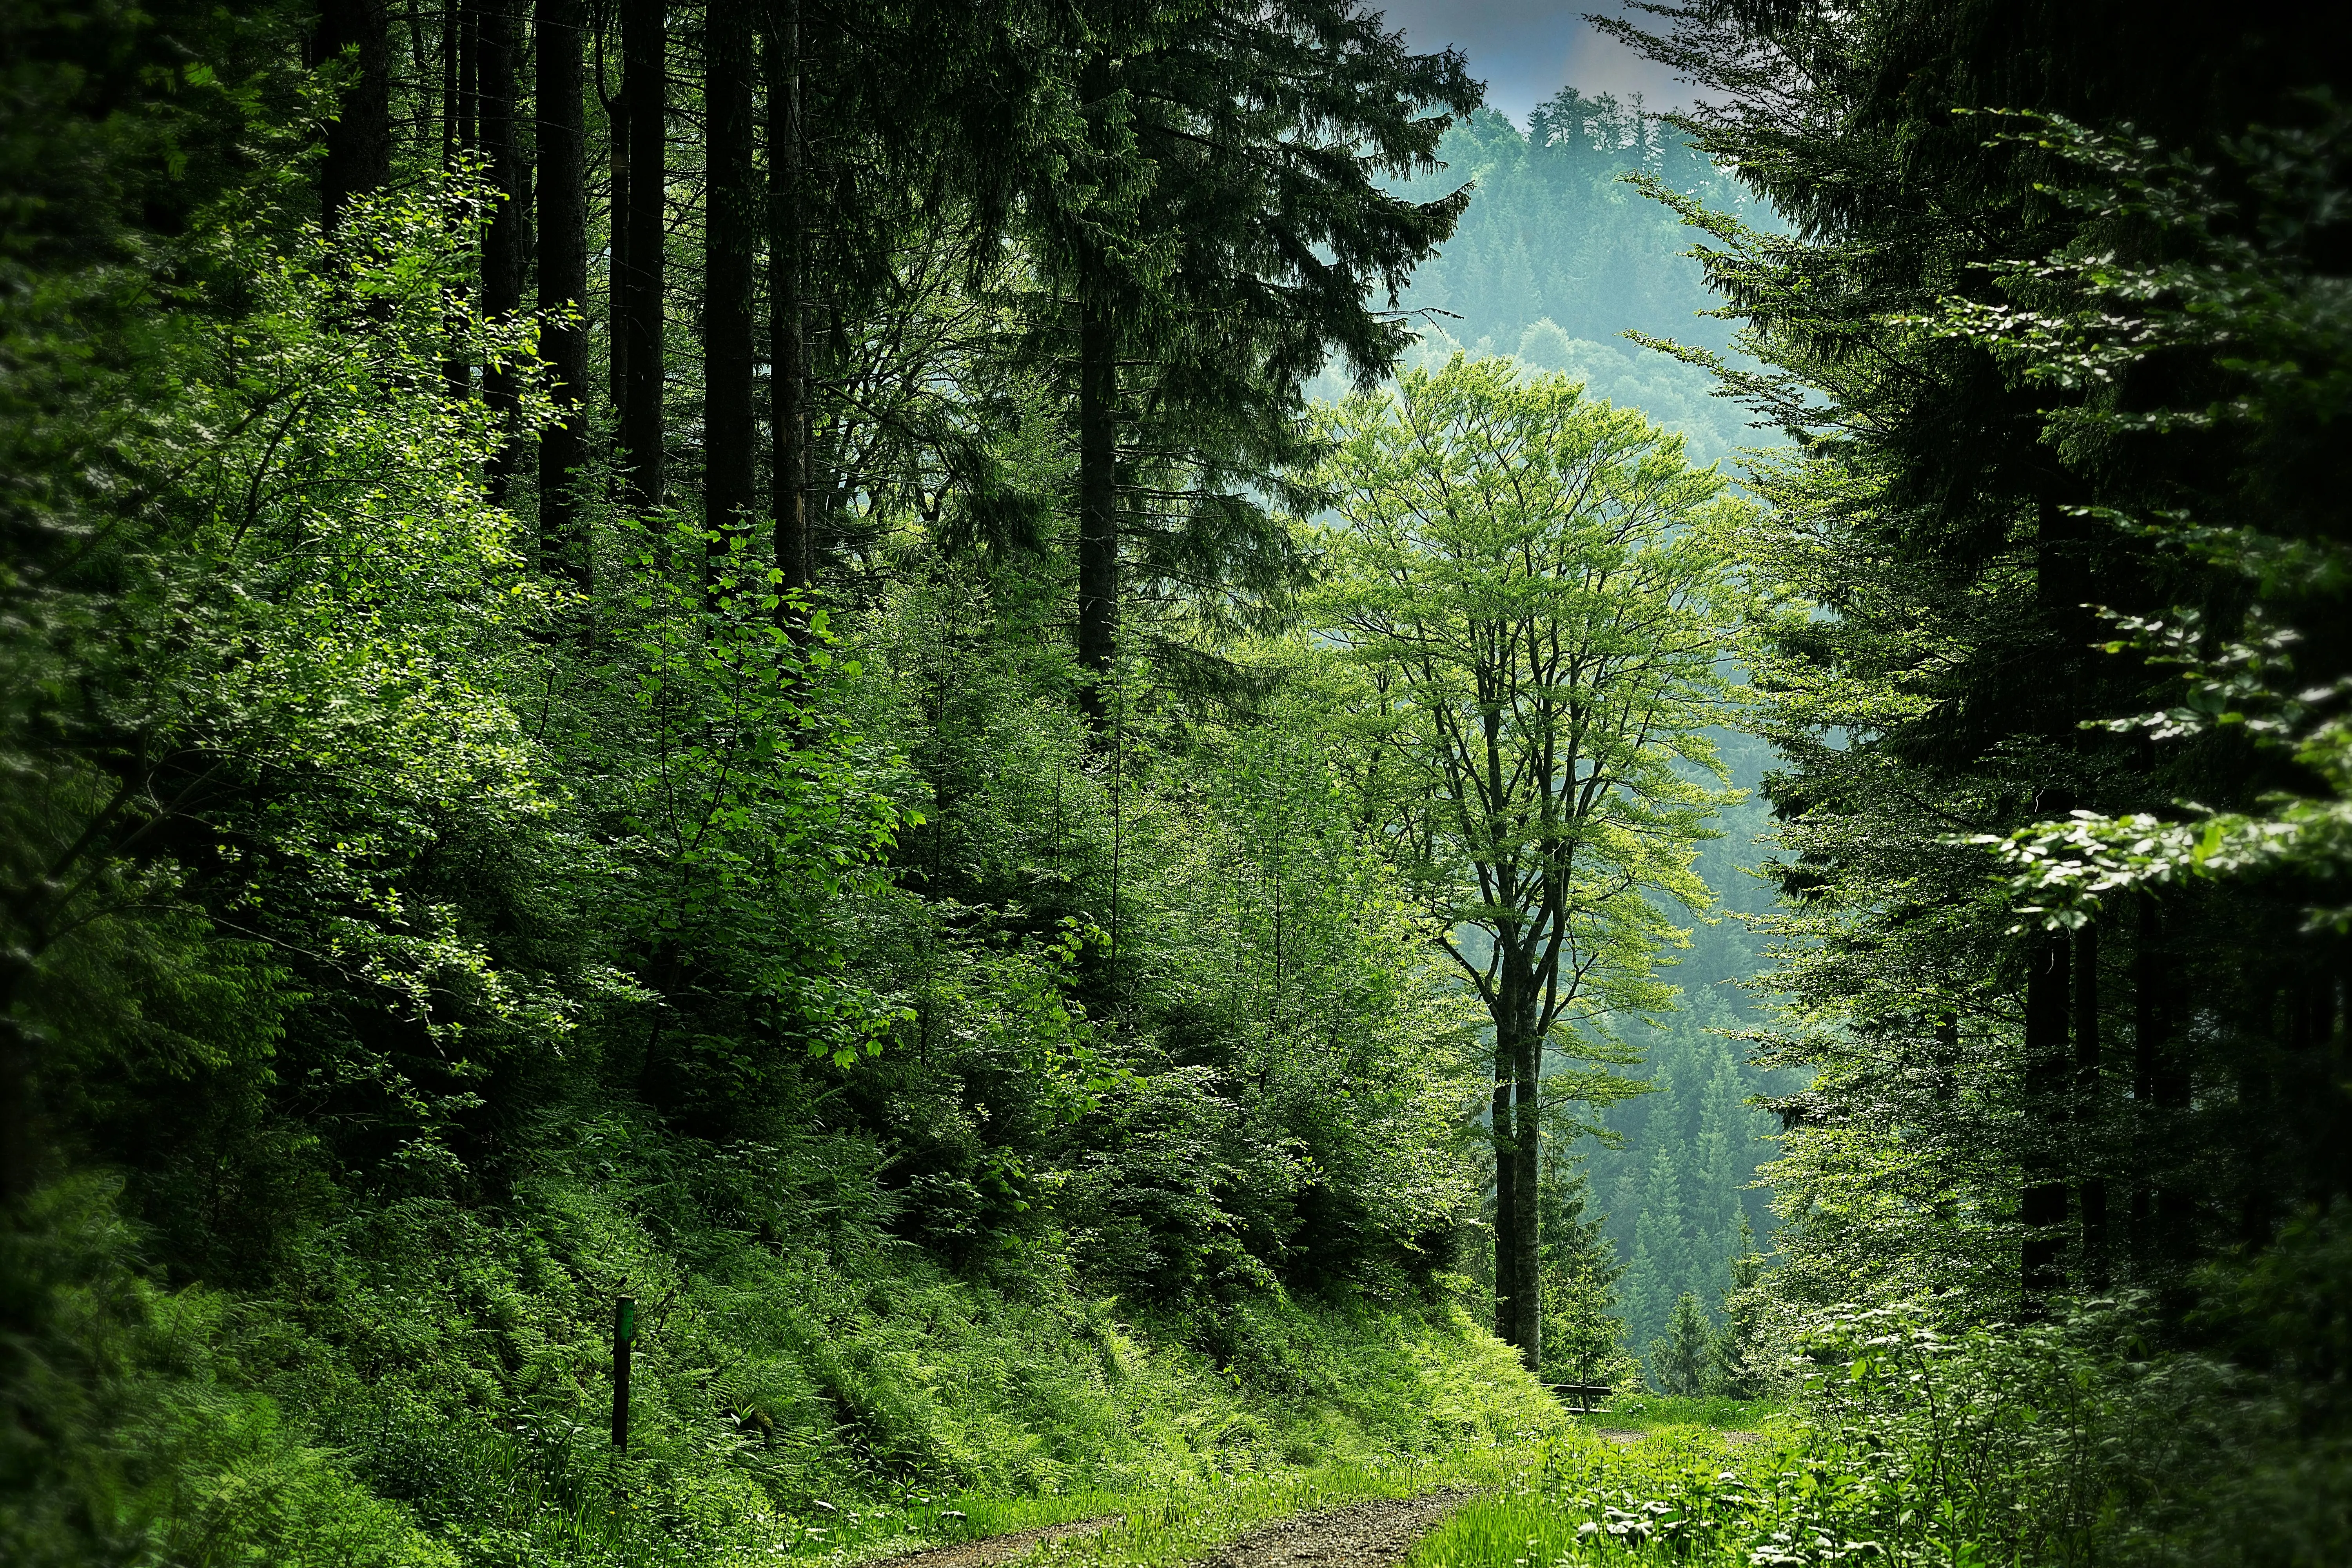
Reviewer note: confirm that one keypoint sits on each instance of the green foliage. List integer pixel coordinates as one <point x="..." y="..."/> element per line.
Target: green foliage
<point x="419" y="931"/>
<point x="1475" y="505"/>
<point x="2263" y="307"/>
<point x="1679" y="1494"/>
<point x="1527" y="593"/>
<point x="135" y="1435"/>
<point x="2069" y="493"/>
<point x="1680" y="1360"/>
<point x="1737" y="1356"/>
<point x="1583" y="1333"/>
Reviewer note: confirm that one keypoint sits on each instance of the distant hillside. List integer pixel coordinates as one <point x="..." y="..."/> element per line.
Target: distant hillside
<point x="1558" y="256"/>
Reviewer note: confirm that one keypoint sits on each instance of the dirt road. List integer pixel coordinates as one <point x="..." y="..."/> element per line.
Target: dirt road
<point x="1375" y="1534"/>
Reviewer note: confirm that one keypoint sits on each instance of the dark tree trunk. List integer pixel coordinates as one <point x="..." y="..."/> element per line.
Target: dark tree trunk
<point x="788" y="424"/>
<point x="563" y="546"/>
<point x="1519" y="1141"/>
<point x="461" y="56"/>
<point x="1098" y="585"/>
<point x="1506" y="1188"/>
<point x="502" y="242"/>
<point x="1527" y="1150"/>
<point x="2090" y="1141"/>
<point x="359" y="139"/>
<point x="453" y="33"/>
<point x="617" y="250"/>
<point x="2041" y="1206"/>
<point x="646" y="87"/>
<point x="730" y="231"/>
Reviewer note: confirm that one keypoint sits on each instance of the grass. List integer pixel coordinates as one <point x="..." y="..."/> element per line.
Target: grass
<point x="1533" y="1478"/>
<point x="1164" y="1529"/>
<point x="1159" y="1526"/>
<point x="1578" y="1498"/>
<point x="1648" y="1412"/>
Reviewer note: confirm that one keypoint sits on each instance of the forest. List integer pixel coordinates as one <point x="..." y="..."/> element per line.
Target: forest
<point x="1099" y="783"/>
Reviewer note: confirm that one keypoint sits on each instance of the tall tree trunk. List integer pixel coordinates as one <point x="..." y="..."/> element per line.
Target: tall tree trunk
<point x="453" y="32"/>
<point x="1506" y="1186"/>
<point x="1527" y="1150"/>
<point x="502" y="242"/>
<point x="563" y="546"/>
<point x="730" y="230"/>
<point x="2091" y="1187"/>
<point x="646" y="88"/>
<point x="1519" y="1141"/>
<point x="359" y="139"/>
<point x="1098" y="585"/>
<point x="617" y="237"/>
<point x="458" y="138"/>
<point x="788" y="423"/>
<point x="2041" y="1206"/>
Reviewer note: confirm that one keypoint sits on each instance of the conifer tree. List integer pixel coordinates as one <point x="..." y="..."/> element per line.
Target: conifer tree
<point x="1583" y="1335"/>
<point x="1663" y="1252"/>
<point x="1230" y="235"/>
<point x="730" y="243"/>
<point x="1735" y="1354"/>
<point x="1679" y="1360"/>
<point x="562" y="245"/>
<point x="2021" y="505"/>
<point x="639" y="290"/>
<point x="1714" y="1214"/>
<point x="353" y="35"/>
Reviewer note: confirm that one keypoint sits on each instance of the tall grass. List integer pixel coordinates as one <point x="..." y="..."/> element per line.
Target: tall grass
<point x="1681" y="1494"/>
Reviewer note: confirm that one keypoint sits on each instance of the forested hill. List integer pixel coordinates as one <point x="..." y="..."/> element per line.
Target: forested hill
<point x="1558" y="256"/>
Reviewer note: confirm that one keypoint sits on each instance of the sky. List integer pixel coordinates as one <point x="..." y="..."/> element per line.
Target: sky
<point x="1526" y="50"/>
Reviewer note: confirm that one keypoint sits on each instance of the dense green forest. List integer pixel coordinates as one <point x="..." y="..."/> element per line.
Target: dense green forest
<point x="785" y="781"/>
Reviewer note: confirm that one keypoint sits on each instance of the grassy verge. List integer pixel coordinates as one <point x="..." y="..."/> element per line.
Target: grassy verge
<point x="1649" y="1412"/>
<point x="1178" y="1524"/>
<point x="1686" y="1494"/>
<point x="437" y="1396"/>
<point x="1446" y="1407"/>
<point x="1537" y="1477"/>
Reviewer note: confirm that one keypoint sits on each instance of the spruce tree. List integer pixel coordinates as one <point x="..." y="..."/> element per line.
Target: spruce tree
<point x="1680" y="1359"/>
<point x="1583" y="1336"/>
<point x="640" y="287"/>
<point x="562" y="243"/>
<point x="1992" y="526"/>
<point x="1735" y="1354"/>
<point x="1227" y="234"/>
<point x="1662" y="1245"/>
<point x="1715" y="1174"/>
<point x="353" y="35"/>
<point x="730" y="242"/>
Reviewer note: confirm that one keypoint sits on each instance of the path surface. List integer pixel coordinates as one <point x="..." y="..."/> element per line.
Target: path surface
<point x="991" y="1549"/>
<point x="1374" y="1535"/>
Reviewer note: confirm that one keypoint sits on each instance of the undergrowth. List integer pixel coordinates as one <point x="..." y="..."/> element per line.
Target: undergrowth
<point x="1682" y="1493"/>
<point x="433" y="1388"/>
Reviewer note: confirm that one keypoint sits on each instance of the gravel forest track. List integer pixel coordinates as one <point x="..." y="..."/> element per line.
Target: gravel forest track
<point x="1377" y="1534"/>
<point x="991" y="1549"/>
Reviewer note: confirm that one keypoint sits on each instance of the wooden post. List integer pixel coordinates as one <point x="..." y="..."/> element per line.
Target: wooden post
<point x="625" y="1333"/>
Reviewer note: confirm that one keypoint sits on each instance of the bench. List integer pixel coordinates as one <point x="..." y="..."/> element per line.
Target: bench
<point x="1583" y="1394"/>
